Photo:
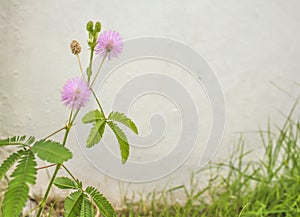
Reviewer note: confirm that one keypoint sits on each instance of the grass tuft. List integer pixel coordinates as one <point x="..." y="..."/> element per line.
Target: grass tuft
<point x="269" y="186"/>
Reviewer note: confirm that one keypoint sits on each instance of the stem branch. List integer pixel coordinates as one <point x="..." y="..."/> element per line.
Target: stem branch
<point x="57" y="131"/>
<point x="99" y="69"/>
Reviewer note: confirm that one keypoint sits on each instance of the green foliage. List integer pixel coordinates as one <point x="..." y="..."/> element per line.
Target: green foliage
<point x="87" y="209"/>
<point x="99" y="121"/>
<point x="17" y="140"/>
<point x="92" y="116"/>
<point x="65" y="183"/>
<point x="101" y="202"/>
<point x="23" y="175"/>
<point x="96" y="133"/>
<point x="9" y="162"/>
<point x="73" y="204"/>
<point x="81" y="202"/>
<point x="122" y="140"/>
<point x="122" y="118"/>
<point x="243" y="185"/>
<point x="51" y="151"/>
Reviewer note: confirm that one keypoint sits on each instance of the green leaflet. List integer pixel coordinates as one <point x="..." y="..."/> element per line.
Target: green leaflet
<point x="96" y="133"/>
<point x="9" y="162"/>
<point x="122" y="118"/>
<point x="73" y="204"/>
<point x="24" y="174"/>
<point x="51" y="151"/>
<point x="101" y="202"/>
<point x="86" y="207"/>
<point x="92" y="116"/>
<point x="17" y="140"/>
<point x="122" y="140"/>
<point x="65" y="183"/>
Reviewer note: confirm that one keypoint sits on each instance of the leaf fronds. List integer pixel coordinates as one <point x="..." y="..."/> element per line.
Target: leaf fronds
<point x="51" y="151"/>
<point x="101" y="202"/>
<point x="65" y="183"/>
<point x="17" y="140"/>
<point x="96" y="133"/>
<point x="18" y="189"/>
<point x="123" y="119"/>
<point x="9" y="162"/>
<point x="73" y="204"/>
<point x="122" y="140"/>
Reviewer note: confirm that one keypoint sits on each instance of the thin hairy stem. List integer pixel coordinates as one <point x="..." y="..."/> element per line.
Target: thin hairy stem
<point x="79" y="63"/>
<point x="44" y="167"/>
<point x="98" y="102"/>
<point x="99" y="69"/>
<point x="68" y="171"/>
<point x="68" y="128"/>
<point x="57" y="131"/>
<point x="91" y="63"/>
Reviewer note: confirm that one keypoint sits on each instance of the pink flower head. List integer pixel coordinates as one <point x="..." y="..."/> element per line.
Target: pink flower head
<point x="109" y="43"/>
<point x="75" y="93"/>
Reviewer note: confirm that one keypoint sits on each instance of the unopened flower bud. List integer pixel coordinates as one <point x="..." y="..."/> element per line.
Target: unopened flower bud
<point x="98" y="27"/>
<point x="75" y="47"/>
<point x="89" y="26"/>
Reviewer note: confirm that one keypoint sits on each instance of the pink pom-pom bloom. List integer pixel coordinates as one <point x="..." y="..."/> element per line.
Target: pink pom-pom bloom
<point x="109" y="43"/>
<point x="75" y="93"/>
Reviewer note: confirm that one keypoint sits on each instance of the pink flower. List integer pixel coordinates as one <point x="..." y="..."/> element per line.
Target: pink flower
<point x="109" y="43"/>
<point x="75" y="93"/>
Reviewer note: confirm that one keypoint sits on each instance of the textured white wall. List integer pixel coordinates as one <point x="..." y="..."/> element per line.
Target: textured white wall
<point x="249" y="44"/>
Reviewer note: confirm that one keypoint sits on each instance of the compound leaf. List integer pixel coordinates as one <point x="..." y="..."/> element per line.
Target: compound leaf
<point x="23" y="175"/>
<point x="122" y="118"/>
<point x="92" y="116"/>
<point x="96" y="133"/>
<point x="101" y="202"/>
<point x="17" y="140"/>
<point x="86" y="207"/>
<point x="73" y="204"/>
<point x="9" y="162"/>
<point x="122" y="140"/>
<point x="51" y="151"/>
<point x="65" y="183"/>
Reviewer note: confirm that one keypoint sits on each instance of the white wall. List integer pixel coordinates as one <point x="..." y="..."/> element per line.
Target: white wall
<point x="249" y="44"/>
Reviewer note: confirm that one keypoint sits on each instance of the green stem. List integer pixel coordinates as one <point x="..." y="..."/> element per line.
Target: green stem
<point x="80" y="66"/>
<point x="91" y="63"/>
<point x="43" y="202"/>
<point x="57" y="131"/>
<point x="99" y="69"/>
<point x="68" y="171"/>
<point x="44" y="167"/>
<point x="68" y="128"/>
<point x="98" y="102"/>
<point x="73" y="119"/>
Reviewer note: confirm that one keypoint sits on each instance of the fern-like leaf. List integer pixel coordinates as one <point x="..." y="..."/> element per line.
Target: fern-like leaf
<point x="101" y="202"/>
<point x="92" y="116"/>
<point x="18" y="189"/>
<point x="122" y="140"/>
<point x="17" y="140"/>
<point x="51" y="151"/>
<point x="122" y="118"/>
<point x="73" y="204"/>
<point x="86" y="207"/>
<point x="65" y="183"/>
<point x="9" y="162"/>
<point x="96" y="133"/>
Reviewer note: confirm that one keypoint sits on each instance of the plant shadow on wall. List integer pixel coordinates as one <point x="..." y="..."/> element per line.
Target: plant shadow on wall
<point x="83" y="201"/>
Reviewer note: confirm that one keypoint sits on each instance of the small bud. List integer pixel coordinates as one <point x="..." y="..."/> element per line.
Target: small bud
<point x="75" y="47"/>
<point x="98" y="27"/>
<point x="89" y="26"/>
